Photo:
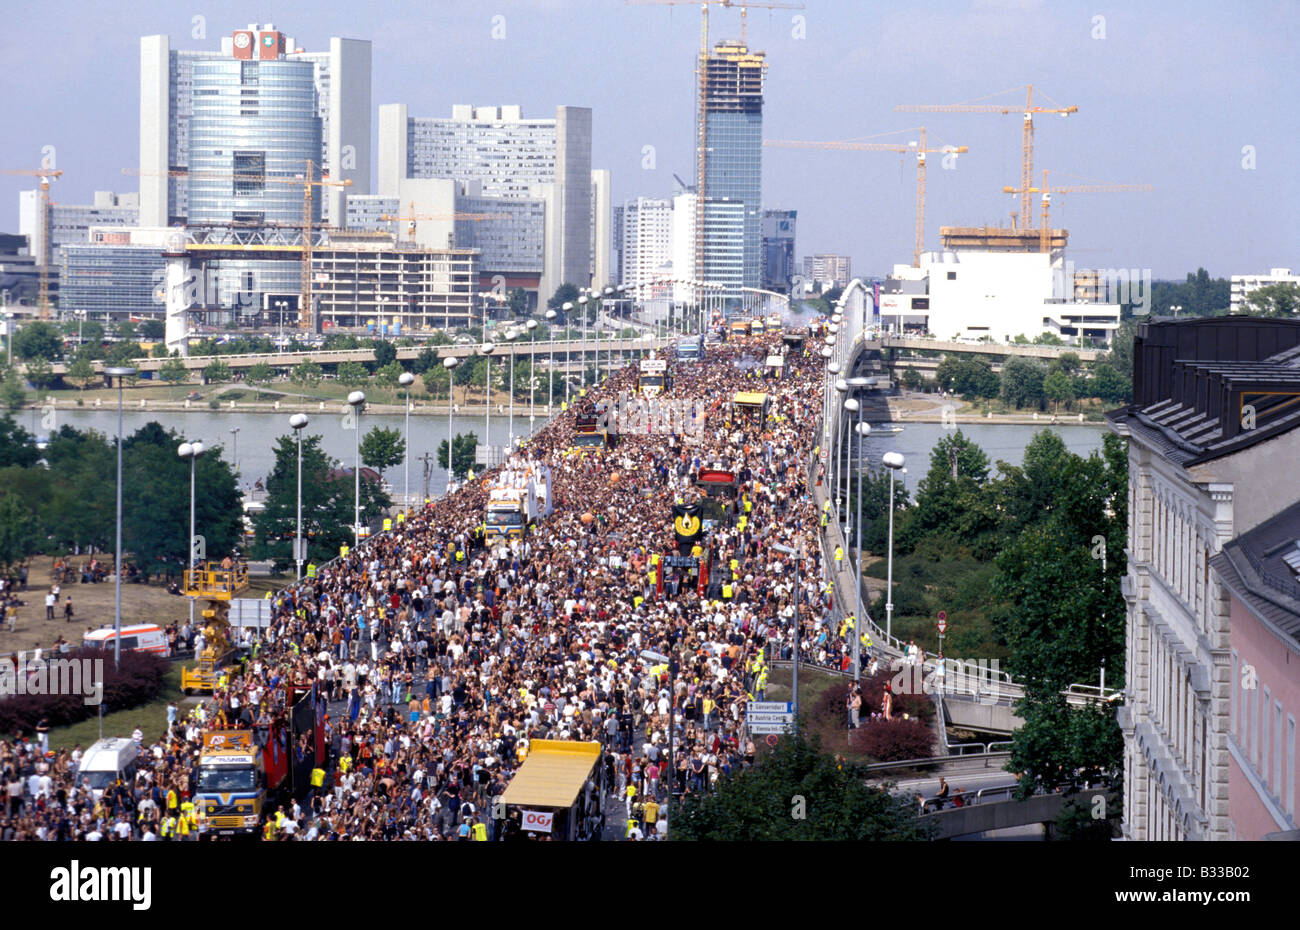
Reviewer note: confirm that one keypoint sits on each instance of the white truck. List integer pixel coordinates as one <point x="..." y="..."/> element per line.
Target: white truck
<point x="520" y="496"/>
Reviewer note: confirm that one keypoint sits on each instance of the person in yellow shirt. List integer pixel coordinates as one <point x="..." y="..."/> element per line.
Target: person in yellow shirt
<point x="479" y="831"/>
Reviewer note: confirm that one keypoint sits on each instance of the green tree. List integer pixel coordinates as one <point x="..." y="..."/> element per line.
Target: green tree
<point x="258" y="374"/>
<point x="382" y="448"/>
<point x="463" y="460"/>
<point x="306" y="373"/>
<point x="38" y="340"/>
<point x="126" y="330"/>
<point x="1022" y="383"/>
<point x="838" y="804"/>
<point x="159" y="351"/>
<point x="151" y="330"/>
<point x="19" y="537"/>
<point x="17" y="446"/>
<point x="1058" y="387"/>
<point x="173" y="371"/>
<point x="428" y="358"/>
<point x="387" y="375"/>
<point x="564" y="293"/>
<point x="1277" y="300"/>
<point x="950" y="499"/>
<point x="436" y="382"/>
<point x="327" y="502"/>
<point x="123" y="353"/>
<point x="12" y="393"/>
<point x="41" y="373"/>
<point x="352" y="374"/>
<point x="385" y="353"/>
<point x="156" y="497"/>
<point x="217" y="372"/>
<point x="518" y="302"/>
<point x="82" y="371"/>
<point x="912" y="379"/>
<point x="1108" y="385"/>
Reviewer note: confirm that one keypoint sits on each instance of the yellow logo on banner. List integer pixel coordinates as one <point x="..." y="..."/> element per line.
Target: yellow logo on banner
<point x="686" y="525"/>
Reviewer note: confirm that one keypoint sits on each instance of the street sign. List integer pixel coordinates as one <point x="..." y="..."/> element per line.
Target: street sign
<point x="943" y="622"/>
<point x="769" y="718"/>
<point x="770" y="707"/>
<point x="759" y="729"/>
<point x="943" y="615"/>
<point x="771" y="739"/>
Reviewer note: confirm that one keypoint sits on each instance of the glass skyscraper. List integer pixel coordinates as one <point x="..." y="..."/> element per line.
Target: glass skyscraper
<point x="732" y="102"/>
<point x="257" y="120"/>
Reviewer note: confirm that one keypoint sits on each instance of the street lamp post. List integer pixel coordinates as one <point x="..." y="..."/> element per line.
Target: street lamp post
<point x="486" y="350"/>
<point x="893" y="461"/>
<point x="531" y="326"/>
<point x="191" y="451"/>
<point x="582" y="308"/>
<point x="797" y="555"/>
<point x="298" y="421"/>
<point x="406" y="379"/>
<point x="450" y="363"/>
<point x="568" y="338"/>
<point x="841" y="386"/>
<point x="234" y="452"/>
<point x="119" y="373"/>
<point x="357" y="400"/>
<point x="853" y="405"/>
<point x="511" y="335"/>
<point x="550" y="364"/>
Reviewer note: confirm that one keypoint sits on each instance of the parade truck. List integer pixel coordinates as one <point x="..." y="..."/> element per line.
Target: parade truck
<point x="591" y="430"/>
<point x="230" y="784"/>
<point x="652" y="377"/>
<point x="243" y="774"/>
<point x="517" y="498"/>
<point x="690" y="348"/>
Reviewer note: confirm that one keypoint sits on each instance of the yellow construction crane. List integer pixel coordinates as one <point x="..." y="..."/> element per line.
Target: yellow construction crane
<point x="47" y="248"/>
<point x="1044" y="233"/>
<point x="701" y="74"/>
<point x="411" y="217"/>
<point x="305" y="180"/>
<point x="1027" y="140"/>
<point x="921" y="151"/>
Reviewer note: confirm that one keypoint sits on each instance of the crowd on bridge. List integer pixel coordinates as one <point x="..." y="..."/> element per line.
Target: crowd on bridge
<point x="443" y="656"/>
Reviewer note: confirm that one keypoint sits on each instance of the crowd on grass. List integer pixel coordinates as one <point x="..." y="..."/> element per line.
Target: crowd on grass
<point x="444" y="655"/>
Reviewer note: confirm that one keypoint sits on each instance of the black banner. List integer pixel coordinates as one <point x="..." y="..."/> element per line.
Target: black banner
<point x="687" y="525"/>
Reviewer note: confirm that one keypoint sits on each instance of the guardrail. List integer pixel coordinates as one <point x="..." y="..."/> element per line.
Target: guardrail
<point x="930" y="761"/>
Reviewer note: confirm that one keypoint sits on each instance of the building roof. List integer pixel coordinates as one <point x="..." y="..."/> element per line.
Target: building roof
<point x="1210" y="387"/>
<point x="553" y="773"/>
<point x="1256" y="567"/>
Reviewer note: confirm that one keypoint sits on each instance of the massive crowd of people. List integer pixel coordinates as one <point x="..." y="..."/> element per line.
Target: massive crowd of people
<point x="444" y="655"/>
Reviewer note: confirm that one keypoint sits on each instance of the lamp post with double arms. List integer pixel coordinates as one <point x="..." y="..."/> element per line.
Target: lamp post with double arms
<point x="550" y="364"/>
<point x="191" y="451"/>
<point x="406" y="379"/>
<point x="893" y="461"/>
<point x="120" y="373"/>
<point x="450" y="363"/>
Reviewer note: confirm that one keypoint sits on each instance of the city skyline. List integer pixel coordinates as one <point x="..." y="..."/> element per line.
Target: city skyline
<point x="1165" y="97"/>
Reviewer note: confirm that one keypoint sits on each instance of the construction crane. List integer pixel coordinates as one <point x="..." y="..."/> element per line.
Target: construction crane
<point x="411" y="217"/>
<point x="305" y="180"/>
<point x="921" y="151"/>
<point x="47" y="248"/>
<point x="1027" y="140"/>
<point x="1044" y="232"/>
<point x="702" y="80"/>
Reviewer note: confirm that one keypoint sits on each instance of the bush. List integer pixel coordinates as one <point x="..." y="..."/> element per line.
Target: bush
<point x="892" y="740"/>
<point x="138" y="680"/>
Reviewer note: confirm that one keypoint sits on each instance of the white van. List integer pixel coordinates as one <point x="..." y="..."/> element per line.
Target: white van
<point x="107" y="761"/>
<point x="141" y="638"/>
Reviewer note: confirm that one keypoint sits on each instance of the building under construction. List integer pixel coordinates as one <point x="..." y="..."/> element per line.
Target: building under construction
<point x="729" y="167"/>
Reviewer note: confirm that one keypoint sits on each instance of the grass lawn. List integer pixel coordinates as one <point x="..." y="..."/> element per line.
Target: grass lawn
<point x="151" y="718"/>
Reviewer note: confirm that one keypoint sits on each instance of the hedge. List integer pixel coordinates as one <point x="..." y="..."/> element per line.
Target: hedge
<point x="137" y="680"/>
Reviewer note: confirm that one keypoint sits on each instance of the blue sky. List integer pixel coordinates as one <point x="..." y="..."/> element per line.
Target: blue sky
<point x="1170" y="96"/>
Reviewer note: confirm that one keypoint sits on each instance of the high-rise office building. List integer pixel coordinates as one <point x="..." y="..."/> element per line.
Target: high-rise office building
<point x="513" y="157"/>
<point x="828" y="270"/>
<point x="70" y="223"/>
<point x="616" y="245"/>
<point x="778" y="250"/>
<point x="647" y="241"/>
<point x="342" y="80"/>
<point x="255" y="120"/>
<point x="729" y="177"/>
